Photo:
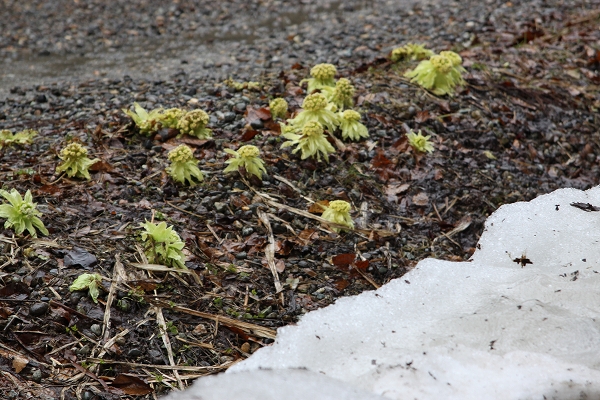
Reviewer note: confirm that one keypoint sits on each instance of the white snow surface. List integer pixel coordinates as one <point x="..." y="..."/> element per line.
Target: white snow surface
<point x="489" y="328"/>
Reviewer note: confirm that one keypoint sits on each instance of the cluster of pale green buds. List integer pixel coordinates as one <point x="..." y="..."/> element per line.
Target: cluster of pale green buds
<point x="75" y="161"/>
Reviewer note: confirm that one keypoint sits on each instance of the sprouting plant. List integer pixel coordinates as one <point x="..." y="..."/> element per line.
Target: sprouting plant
<point x="440" y="74"/>
<point x="411" y="51"/>
<point x="21" y="213"/>
<point x="322" y="76"/>
<point x="278" y="107"/>
<point x="342" y="95"/>
<point x="163" y="245"/>
<point x="312" y="141"/>
<point x="184" y="166"/>
<point x="419" y="142"/>
<point x="170" y="117"/>
<point x="75" y="161"/>
<point x="194" y="123"/>
<point x="351" y="126"/>
<point x="147" y="122"/>
<point x="247" y="156"/>
<point x="242" y="85"/>
<point x="338" y="211"/>
<point x="21" y="138"/>
<point x="315" y="109"/>
<point x="92" y="282"/>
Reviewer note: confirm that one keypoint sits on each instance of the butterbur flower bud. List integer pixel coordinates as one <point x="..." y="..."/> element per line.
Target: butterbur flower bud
<point x="170" y="118"/>
<point x="194" y="123"/>
<point x="351" y="127"/>
<point x="322" y="76"/>
<point x="184" y="165"/>
<point x="440" y="74"/>
<point x="315" y="108"/>
<point x="278" y="107"/>
<point x="314" y="102"/>
<point x="75" y="161"/>
<point x="312" y="141"/>
<point x="411" y="52"/>
<point x="419" y="142"/>
<point x="248" y="157"/>
<point x="342" y="96"/>
<point x="338" y="211"/>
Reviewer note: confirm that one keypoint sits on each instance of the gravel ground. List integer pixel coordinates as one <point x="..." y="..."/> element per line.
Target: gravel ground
<point x="527" y="123"/>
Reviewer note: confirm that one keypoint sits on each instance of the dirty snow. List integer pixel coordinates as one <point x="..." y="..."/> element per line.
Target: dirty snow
<point x="521" y="320"/>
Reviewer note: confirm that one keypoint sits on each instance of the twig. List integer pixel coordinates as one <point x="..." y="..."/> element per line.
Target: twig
<point x="162" y="326"/>
<point x="253" y="329"/>
<point x="270" y="250"/>
<point x="167" y="367"/>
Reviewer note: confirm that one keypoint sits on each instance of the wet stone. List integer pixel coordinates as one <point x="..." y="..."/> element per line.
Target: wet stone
<point x="38" y="309"/>
<point x="241" y="255"/>
<point x="247" y="231"/>
<point x="257" y="124"/>
<point x="84" y="350"/>
<point x="79" y="257"/>
<point x="229" y="116"/>
<point x="96" y="329"/>
<point x="220" y="206"/>
<point x="37" y="376"/>
<point x="135" y="352"/>
<point x="240" y="107"/>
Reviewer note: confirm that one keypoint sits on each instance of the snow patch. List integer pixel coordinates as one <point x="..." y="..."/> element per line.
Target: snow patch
<point x="521" y="320"/>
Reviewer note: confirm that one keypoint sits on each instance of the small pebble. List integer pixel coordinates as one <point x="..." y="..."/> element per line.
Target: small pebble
<point x="247" y="231"/>
<point x="220" y="206"/>
<point x="38" y="309"/>
<point x="135" y="352"/>
<point x="96" y="329"/>
<point x="37" y="376"/>
<point x="241" y="255"/>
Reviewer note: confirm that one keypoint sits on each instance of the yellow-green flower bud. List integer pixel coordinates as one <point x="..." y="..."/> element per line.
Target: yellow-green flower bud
<point x="351" y="115"/>
<point x="312" y="128"/>
<point x="278" y="107"/>
<point x="338" y="211"/>
<point x="170" y="118"/>
<point x="248" y="151"/>
<point x="181" y="153"/>
<point x="314" y="102"/>
<point x="194" y="123"/>
<point x="441" y="63"/>
<point x="419" y="142"/>
<point x="73" y="151"/>
<point x="454" y="58"/>
<point x="323" y="72"/>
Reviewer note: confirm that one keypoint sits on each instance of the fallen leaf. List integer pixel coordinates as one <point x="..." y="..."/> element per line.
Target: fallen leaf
<point x="393" y="190"/>
<point x="131" y="385"/>
<point x="421" y="199"/>
<point x="341" y="284"/>
<point x="343" y="260"/>
<point x="362" y="265"/>
<point x="318" y="207"/>
<point x="19" y="363"/>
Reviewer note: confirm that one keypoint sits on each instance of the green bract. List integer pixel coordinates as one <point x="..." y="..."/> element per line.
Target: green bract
<point x="75" y="161"/>
<point x="163" y="245"/>
<point x="440" y="74"/>
<point x="322" y="76"/>
<point x="419" y="142"/>
<point x="338" y="211"/>
<point x="411" y="51"/>
<point x="278" y="107"/>
<point x="351" y="127"/>
<point x="248" y="157"/>
<point x="147" y="122"/>
<point x="311" y="142"/>
<point x="92" y="282"/>
<point x="315" y="109"/>
<point x="21" y="214"/>
<point x="194" y="123"/>
<point x="183" y="165"/>
<point x="23" y="137"/>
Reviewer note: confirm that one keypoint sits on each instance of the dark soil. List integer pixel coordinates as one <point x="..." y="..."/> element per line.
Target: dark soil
<point x="527" y="123"/>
